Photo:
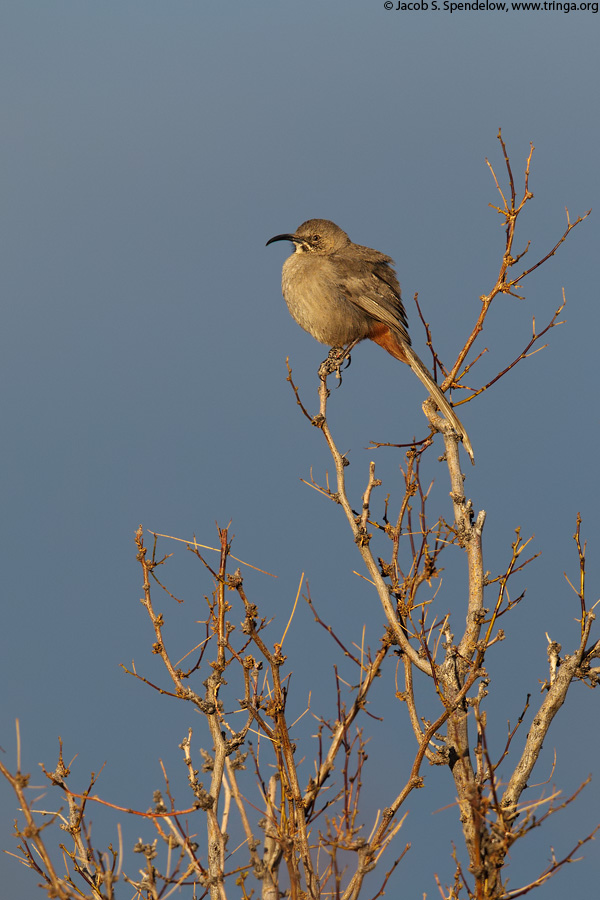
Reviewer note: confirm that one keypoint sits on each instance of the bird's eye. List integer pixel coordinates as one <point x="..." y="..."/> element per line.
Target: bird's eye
<point x="316" y="238"/>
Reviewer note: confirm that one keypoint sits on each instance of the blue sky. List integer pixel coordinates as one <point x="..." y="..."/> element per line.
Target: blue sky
<point x="149" y="151"/>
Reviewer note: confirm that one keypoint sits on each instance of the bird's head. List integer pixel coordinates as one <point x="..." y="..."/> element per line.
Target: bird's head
<point x="315" y="236"/>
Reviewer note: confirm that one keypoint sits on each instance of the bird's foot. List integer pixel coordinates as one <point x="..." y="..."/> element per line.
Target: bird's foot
<point x="334" y="363"/>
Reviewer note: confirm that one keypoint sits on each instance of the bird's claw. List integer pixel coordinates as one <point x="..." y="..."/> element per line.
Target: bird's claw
<point x="334" y="363"/>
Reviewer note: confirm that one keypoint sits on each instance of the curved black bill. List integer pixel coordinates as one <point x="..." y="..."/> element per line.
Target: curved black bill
<point x="281" y="237"/>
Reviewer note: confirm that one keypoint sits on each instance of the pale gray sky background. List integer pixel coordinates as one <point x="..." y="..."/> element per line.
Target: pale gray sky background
<point x="149" y="150"/>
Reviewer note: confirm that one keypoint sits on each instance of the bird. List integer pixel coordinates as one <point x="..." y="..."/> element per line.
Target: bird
<point x="342" y="293"/>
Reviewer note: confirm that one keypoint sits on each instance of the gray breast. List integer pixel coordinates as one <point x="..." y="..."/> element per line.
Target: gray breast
<point x="315" y="300"/>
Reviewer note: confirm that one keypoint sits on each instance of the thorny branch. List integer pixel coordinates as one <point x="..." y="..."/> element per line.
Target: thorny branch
<point x="463" y="663"/>
<point x="264" y="832"/>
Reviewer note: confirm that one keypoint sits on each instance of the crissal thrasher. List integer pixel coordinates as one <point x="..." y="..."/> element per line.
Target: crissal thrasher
<point x="342" y="293"/>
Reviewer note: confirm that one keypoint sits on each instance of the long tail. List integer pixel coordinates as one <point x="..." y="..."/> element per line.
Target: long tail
<point x="424" y="375"/>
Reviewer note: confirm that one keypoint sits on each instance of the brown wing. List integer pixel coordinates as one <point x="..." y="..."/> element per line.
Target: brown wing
<point x="372" y="286"/>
